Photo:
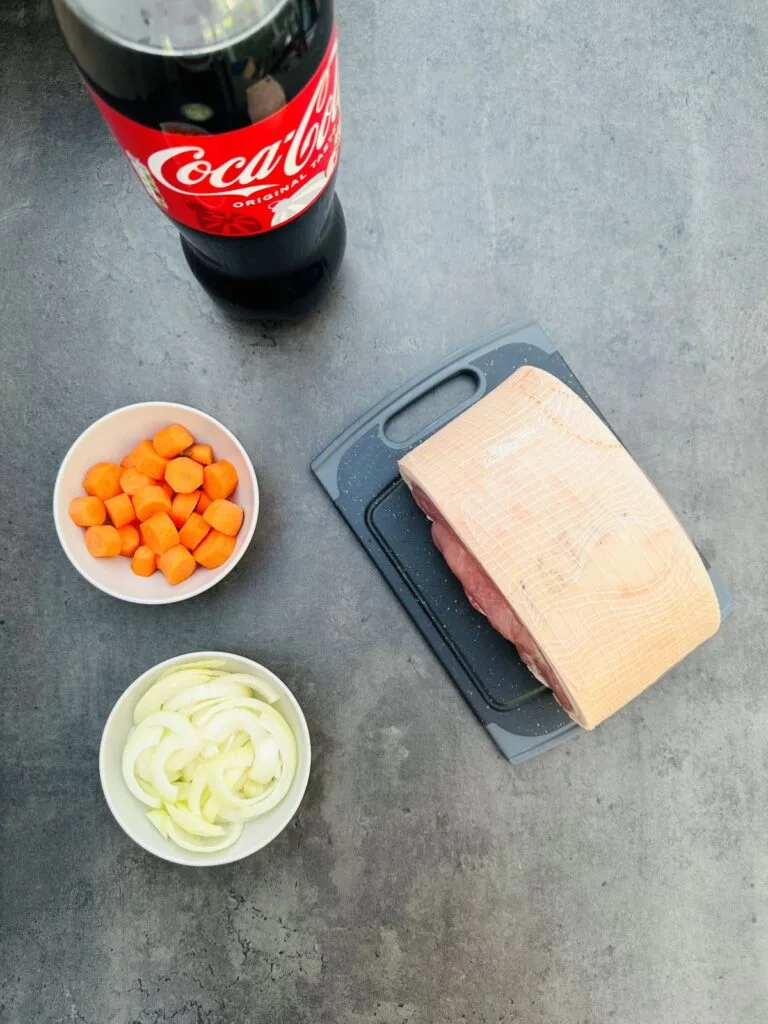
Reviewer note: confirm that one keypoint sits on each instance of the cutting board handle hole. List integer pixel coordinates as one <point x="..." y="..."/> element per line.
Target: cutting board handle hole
<point x="431" y="406"/>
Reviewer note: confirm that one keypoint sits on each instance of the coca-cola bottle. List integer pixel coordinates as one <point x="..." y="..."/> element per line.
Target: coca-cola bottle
<point x="228" y="111"/>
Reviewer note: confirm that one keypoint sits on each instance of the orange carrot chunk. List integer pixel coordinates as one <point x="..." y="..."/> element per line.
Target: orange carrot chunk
<point x="202" y="453"/>
<point x="132" y="481"/>
<point x="176" y="564"/>
<point x="182" y="507"/>
<point x="102" y="541"/>
<point x="147" y="461"/>
<point x="193" y="531"/>
<point x="202" y="502"/>
<point x="103" y="480"/>
<point x="149" y="501"/>
<point x="184" y="475"/>
<point x="224" y="516"/>
<point x="168" y="489"/>
<point x="214" y="550"/>
<point x="87" y="511"/>
<point x="144" y="562"/>
<point x="129" y="540"/>
<point x="127" y="462"/>
<point x="172" y="441"/>
<point x="159" y="533"/>
<point x="120" y="509"/>
<point x="220" y="479"/>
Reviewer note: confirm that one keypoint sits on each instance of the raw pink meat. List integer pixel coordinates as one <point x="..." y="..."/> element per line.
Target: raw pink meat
<point x="485" y="597"/>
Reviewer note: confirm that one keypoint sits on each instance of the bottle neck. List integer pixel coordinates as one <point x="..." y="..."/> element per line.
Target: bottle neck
<point x="211" y="93"/>
<point x="177" y="28"/>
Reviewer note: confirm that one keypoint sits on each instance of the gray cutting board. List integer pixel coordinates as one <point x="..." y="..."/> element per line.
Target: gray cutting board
<point x="359" y="472"/>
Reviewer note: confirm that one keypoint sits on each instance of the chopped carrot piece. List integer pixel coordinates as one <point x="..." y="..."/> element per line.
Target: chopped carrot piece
<point x="103" y="480"/>
<point x="193" y="531"/>
<point x="202" y="453"/>
<point x="102" y="541"/>
<point x="149" y="501"/>
<point x="220" y="479"/>
<point x="183" y="506"/>
<point x="184" y="475"/>
<point x="120" y="510"/>
<point x="224" y="516"/>
<point x="144" y="562"/>
<point x="127" y="462"/>
<point x="159" y="533"/>
<point x="176" y="564"/>
<point x="172" y="441"/>
<point x="202" y="502"/>
<point x="129" y="540"/>
<point x="167" y="488"/>
<point x="214" y="550"/>
<point x="132" y="481"/>
<point x="87" y="511"/>
<point x="147" y="461"/>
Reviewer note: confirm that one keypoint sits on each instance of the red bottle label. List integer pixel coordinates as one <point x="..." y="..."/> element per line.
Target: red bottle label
<point x="249" y="180"/>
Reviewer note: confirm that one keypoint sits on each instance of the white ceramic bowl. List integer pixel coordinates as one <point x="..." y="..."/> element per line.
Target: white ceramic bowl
<point x="110" y="439"/>
<point x="131" y="814"/>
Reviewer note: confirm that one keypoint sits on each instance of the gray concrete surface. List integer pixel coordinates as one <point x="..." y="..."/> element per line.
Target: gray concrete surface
<point x="598" y="165"/>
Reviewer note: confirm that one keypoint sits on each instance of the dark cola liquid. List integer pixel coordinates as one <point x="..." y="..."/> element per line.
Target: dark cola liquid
<point x="285" y="272"/>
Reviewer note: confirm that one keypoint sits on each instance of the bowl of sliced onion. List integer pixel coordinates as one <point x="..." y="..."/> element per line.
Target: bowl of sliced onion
<point x="205" y="758"/>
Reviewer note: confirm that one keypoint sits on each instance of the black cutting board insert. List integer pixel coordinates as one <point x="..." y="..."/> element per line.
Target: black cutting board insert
<point x="359" y="472"/>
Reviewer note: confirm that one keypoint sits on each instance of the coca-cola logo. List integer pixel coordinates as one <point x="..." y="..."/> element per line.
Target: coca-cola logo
<point x="249" y="180"/>
<point x="190" y="169"/>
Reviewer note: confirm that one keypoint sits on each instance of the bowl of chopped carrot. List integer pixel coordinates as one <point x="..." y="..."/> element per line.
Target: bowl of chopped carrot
<point x="155" y="503"/>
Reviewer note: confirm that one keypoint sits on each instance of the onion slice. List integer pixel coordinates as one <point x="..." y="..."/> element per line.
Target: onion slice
<point x="166" y="687"/>
<point x="264" y="687"/>
<point x="198" y="844"/>
<point x="211" y="809"/>
<point x="194" y="823"/>
<point x="139" y="740"/>
<point x="216" y="689"/>
<point x="175" y="723"/>
<point x="160" y="820"/>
